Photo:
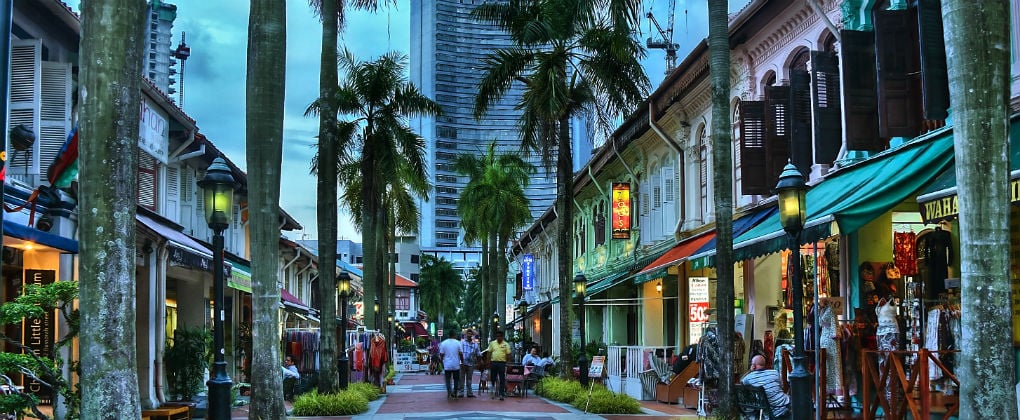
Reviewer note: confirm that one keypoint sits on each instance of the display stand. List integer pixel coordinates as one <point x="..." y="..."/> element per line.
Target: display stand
<point x="595" y="371"/>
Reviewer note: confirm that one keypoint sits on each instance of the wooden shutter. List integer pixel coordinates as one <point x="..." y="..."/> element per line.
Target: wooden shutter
<point x="24" y="106"/>
<point x="173" y="193"/>
<point x="827" y="117"/>
<point x="934" y="79"/>
<point x="54" y="112"/>
<point x="148" y="178"/>
<point x="777" y="132"/>
<point x="859" y="100"/>
<point x="800" y="121"/>
<point x="752" y="148"/>
<point x="898" y="114"/>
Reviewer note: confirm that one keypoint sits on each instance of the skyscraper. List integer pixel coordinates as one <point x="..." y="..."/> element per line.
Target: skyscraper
<point x="157" y="63"/>
<point x="448" y="48"/>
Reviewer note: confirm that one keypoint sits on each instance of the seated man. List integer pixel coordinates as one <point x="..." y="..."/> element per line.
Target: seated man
<point x="769" y="380"/>
<point x="290" y="377"/>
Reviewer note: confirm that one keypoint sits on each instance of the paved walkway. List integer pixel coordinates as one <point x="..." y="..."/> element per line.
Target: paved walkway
<point x="418" y="396"/>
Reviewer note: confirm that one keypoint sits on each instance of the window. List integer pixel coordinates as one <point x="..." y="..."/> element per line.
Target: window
<point x="704" y="172"/>
<point x="598" y="218"/>
<point x="414" y="258"/>
<point x="403" y="302"/>
<point x="148" y="181"/>
<point x="446" y="178"/>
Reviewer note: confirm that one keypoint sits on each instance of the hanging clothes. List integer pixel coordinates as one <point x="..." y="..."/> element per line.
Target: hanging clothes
<point x="708" y="355"/>
<point x="938" y="255"/>
<point x="905" y="252"/>
<point x="888" y="340"/>
<point x="769" y="344"/>
<point x="829" y="340"/>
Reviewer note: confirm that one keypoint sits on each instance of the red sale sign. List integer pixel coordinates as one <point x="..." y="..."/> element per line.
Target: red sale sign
<point x="698" y="312"/>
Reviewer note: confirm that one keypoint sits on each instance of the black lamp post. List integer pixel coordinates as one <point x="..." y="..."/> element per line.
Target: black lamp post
<point x="343" y="285"/>
<point x="792" y="211"/>
<point x="495" y="323"/>
<point x="375" y="313"/>
<point x="218" y="185"/>
<point x="580" y="285"/>
<point x="522" y="308"/>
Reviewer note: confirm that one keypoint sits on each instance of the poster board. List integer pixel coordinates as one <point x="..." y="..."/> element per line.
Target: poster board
<point x="598" y="367"/>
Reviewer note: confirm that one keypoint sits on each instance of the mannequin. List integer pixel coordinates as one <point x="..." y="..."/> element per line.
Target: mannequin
<point x="828" y="339"/>
<point x="888" y="340"/>
<point x="938" y="255"/>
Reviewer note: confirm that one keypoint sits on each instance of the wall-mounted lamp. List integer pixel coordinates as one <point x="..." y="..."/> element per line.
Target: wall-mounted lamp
<point x="658" y="286"/>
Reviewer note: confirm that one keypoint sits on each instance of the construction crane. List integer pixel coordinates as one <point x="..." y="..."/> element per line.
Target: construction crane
<point x="182" y="53"/>
<point x="666" y="42"/>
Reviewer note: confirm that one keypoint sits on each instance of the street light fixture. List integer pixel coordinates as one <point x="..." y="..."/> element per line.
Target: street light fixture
<point x="495" y="323"/>
<point x="792" y="213"/>
<point x="522" y="308"/>
<point x="343" y="285"/>
<point x="375" y="313"/>
<point x="580" y="284"/>
<point x="218" y="187"/>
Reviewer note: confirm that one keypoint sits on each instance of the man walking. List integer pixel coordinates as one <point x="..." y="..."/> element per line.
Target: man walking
<point x="449" y="351"/>
<point x="499" y="351"/>
<point x="470" y="351"/>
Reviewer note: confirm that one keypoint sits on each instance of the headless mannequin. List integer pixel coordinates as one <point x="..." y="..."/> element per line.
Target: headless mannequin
<point x="938" y="255"/>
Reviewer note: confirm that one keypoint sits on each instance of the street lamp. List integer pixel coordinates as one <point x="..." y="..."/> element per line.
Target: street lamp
<point x="218" y="185"/>
<point x="495" y="323"/>
<point x="792" y="211"/>
<point x="522" y="308"/>
<point x="580" y="283"/>
<point x="375" y="313"/>
<point x="343" y="285"/>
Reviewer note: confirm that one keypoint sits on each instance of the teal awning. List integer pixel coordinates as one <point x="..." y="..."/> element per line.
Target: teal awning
<point x="705" y="256"/>
<point x="606" y="283"/>
<point x="856" y="195"/>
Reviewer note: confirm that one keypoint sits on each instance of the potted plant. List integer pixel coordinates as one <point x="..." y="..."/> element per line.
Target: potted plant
<point x="186" y="359"/>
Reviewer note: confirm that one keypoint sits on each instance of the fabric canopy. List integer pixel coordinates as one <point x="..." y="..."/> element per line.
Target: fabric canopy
<point x="856" y="195"/>
<point x="20" y="231"/>
<point x="659" y="268"/>
<point x="705" y="256"/>
<point x="606" y="283"/>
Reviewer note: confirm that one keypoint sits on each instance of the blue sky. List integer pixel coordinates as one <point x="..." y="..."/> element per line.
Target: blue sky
<point x="215" y="76"/>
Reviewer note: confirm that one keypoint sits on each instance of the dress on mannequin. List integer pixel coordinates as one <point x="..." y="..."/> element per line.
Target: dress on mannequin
<point x="938" y="255"/>
<point x="888" y="333"/>
<point x="829" y="340"/>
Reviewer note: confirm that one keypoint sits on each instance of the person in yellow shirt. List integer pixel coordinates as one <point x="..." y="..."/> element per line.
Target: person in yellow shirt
<point x="499" y="351"/>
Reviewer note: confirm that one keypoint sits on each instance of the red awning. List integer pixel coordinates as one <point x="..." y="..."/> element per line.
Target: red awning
<point x="677" y="254"/>
<point x="290" y="301"/>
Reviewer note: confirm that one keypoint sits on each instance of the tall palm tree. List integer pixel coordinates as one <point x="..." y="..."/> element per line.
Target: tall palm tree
<point x="978" y="63"/>
<point x="493" y="201"/>
<point x="722" y="188"/>
<point x="267" y="37"/>
<point x="326" y="192"/>
<point x="574" y="58"/>
<point x="440" y="288"/>
<point x="377" y="99"/>
<point x="403" y="190"/>
<point x="111" y="31"/>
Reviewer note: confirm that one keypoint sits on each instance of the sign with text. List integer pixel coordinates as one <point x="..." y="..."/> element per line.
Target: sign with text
<point x="38" y="332"/>
<point x="153" y="130"/>
<point x="528" y="272"/>
<point x="698" y="305"/>
<point x="621" y="210"/>
<point x="598" y="367"/>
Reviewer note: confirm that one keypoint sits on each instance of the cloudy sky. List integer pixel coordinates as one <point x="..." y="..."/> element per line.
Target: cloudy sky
<point x="214" y="77"/>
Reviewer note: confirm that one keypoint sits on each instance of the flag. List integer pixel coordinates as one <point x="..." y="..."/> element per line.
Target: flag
<point x="64" y="168"/>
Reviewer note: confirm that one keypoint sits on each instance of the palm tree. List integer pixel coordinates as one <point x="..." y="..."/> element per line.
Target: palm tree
<point x="722" y="188"/>
<point x="574" y="58"/>
<point x="264" y="133"/>
<point x="326" y="192"/>
<point x="402" y="191"/>
<point x="110" y="31"/>
<point x="494" y="203"/>
<point x="440" y="287"/>
<point x="978" y="58"/>
<point x="378" y="99"/>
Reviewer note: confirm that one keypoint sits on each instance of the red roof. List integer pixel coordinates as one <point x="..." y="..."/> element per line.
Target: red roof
<point x="405" y="282"/>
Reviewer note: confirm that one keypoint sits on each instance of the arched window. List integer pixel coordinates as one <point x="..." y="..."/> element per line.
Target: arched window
<point x="704" y="172"/>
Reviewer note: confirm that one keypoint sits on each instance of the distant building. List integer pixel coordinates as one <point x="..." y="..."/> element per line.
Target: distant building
<point x="158" y="61"/>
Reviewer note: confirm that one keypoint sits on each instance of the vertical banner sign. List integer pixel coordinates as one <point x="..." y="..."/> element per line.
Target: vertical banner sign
<point x="38" y="332"/>
<point x="528" y="272"/>
<point x="621" y="210"/>
<point x="698" y="305"/>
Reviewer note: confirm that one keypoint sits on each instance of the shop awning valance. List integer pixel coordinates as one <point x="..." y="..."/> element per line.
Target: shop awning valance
<point x="939" y="201"/>
<point x="292" y="303"/>
<point x="184" y="250"/>
<point x="705" y="256"/>
<point x="240" y="275"/>
<point x="606" y="283"/>
<point x="856" y="195"/>
<point x="679" y="253"/>
<point x="27" y="233"/>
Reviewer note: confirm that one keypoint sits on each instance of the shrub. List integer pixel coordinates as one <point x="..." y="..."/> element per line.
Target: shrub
<point x="344" y="403"/>
<point x="604" y="401"/>
<point x="559" y="389"/>
<point x="371" y="392"/>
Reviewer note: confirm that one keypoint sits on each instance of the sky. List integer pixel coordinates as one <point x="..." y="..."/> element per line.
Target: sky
<point x="214" y="77"/>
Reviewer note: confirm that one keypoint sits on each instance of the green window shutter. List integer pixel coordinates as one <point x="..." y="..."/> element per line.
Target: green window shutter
<point x="752" y="148"/>
<point x="800" y="121"/>
<point x="777" y="132"/>
<point x="934" y="77"/>
<point x="828" y="123"/>
<point x="898" y="102"/>
<point x="860" y="100"/>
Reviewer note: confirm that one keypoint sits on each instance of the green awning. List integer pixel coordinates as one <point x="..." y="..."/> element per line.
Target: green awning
<point x="240" y="275"/>
<point x="606" y="283"/>
<point x="939" y="200"/>
<point x="855" y="195"/>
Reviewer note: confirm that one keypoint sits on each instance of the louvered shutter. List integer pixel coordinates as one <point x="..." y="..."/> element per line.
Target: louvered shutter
<point x="800" y="121"/>
<point x="24" y="106"/>
<point x="860" y="100"/>
<point x="752" y="148"/>
<point x="777" y="132"/>
<point x="148" y="173"/>
<point x="703" y="178"/>
<point x="54" y="112"/>
<point x="173" y="183"/>
<point x="897" y="100"/>
<point x="668" y="199"/>
<point x="827" y="118"/>
<point x="186" y="194"/>
<point x="934" y="76"/>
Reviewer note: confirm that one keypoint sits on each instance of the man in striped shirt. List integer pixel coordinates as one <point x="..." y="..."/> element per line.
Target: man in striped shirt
<point x="770" y="380"/>
<point x="469" y="348"/>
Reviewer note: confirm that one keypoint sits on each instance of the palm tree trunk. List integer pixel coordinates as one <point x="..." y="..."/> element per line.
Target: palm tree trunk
<point x="326" y="198"/>
<point x="483" y="277"/>
<point x="498" y="283"/>
<point x="370" y="282"/>
<point x="111" y="34"/>
<point x="978" y="64"/>
<point x="722" y="185"/>
<point x="564" y="248"/>
<point x="380" y="263"/>
<point x="264" y="133"/>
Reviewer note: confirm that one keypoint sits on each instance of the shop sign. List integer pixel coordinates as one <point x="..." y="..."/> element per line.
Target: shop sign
<point x="153" y="130"/>
<point x="597" y="368"/>
<point x="698" y="305"/>
<point x="949" y="206"/>
<point x="528" y="272"/>
<point x="38" y="332"/>
<point x="621" y="210"/>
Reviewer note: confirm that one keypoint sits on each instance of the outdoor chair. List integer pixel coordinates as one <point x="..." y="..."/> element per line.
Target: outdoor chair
<point x="752" y="400"/>
<point x="515" y="380"/>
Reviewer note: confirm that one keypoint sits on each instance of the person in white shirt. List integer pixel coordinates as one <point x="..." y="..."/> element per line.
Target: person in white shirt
<point x="450" y="352"/>
<point x="289" y="369"/>
<point x="531" y="358"/>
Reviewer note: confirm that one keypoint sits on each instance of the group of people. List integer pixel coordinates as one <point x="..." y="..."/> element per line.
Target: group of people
<point x="460" y="357"/>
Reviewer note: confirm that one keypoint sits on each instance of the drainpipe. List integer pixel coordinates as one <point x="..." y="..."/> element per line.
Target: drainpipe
<point x="680" y="154"/>
<point x="284" y="269"/>
<point x="177" y="157"/>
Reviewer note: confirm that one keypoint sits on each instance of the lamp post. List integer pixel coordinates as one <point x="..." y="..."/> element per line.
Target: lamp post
<point x="218" y="187"/>
<point x="343" y="284"/>
<point x="792" y="211"/>
<point x="375" y="313"/>
<point x="580" y="284"/>
<point x="495" y="324"/>
<point x="522" y="308"/>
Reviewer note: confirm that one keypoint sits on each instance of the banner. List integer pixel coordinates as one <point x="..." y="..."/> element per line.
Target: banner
<point x="528" y="272"/>
<point x="621" y="210"/>
<point x="38" y="332"/>
<point x="698" y="305"/>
